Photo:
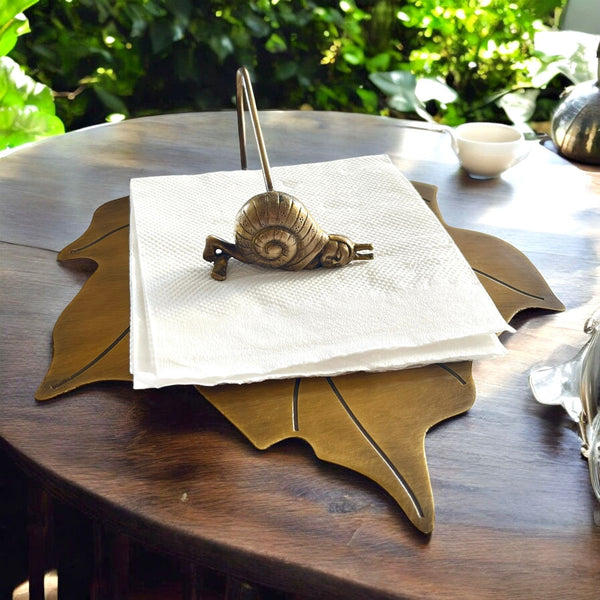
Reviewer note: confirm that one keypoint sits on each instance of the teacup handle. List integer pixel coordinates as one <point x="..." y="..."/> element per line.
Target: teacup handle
<point x="437" y="129"/>
<point x="453" y="139"/>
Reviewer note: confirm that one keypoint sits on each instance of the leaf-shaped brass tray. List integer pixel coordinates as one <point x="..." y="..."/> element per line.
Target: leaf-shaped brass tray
<point x="373" y="423"/>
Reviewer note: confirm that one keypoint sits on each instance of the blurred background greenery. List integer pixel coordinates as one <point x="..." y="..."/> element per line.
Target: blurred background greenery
<point x="75" y="63"/>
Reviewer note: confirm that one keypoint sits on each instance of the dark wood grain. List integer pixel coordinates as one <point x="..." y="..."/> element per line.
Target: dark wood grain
<point x="516" y="517"/>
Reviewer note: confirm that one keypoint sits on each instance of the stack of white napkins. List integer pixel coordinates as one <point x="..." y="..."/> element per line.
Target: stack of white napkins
<point x="418" y="302"/>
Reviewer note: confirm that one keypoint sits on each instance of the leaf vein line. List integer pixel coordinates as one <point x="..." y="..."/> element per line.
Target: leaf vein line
<point x="92" y="362"/>
<point x="453" y="373"/>
<point x="384" y="457"/>
<point x="512" y="287"/>
<point x="102" y="237"/>
<point x="295" y="424"/>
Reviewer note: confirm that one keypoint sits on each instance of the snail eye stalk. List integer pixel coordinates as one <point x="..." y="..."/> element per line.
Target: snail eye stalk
<point x="359" y="248"/>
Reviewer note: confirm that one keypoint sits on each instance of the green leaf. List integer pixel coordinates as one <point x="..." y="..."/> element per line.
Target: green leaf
<point x="27" y="111"/>
<point x="21" y="126"/>
<point x="404" y="102"/>
<point x="394" y="82"/>
<point x="20" y="90"/>
<point x="408" y="93"/>
<point x="257" y="26"/>
<point x="400" y="87"/>
<point x="275" y="44"/>
<point x="181" y="9"/>
<point x="570" y="53"/>
<point x="9" y="9"/>
<point x="369" y="99"/>
<point x="221" y="45"/>
<point x="163" y="33"/>
<point x="429" y="88"/>
<point x="380" y="62"/>
<point x="353" y="55"/>
<point x="519" y="106"/>
<point x="187" y="47"/>
<point x="11" y="31"/>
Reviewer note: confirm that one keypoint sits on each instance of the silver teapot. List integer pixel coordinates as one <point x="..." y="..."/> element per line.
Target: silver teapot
<point x="575" y="127"/>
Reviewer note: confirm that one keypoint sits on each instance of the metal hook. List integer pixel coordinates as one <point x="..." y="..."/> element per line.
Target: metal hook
<point x="244" y="90"/>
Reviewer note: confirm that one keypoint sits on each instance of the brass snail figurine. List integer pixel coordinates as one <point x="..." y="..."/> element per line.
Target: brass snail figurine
<point x="274" y="229"/>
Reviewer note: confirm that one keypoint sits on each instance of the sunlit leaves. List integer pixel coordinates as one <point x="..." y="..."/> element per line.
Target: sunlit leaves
<point x="13" y="23"/>
<point x="9" y="9"/>
<point x="408" y="94"/>
<point x="477" y="48"/>
<point x="574" y="54"/>
<point x="27" y="110"/>
<point x="567" y="54"/>
<point x="10" y="31"/>
<point x="26" y="107"/>
<point x="166" y="55"/>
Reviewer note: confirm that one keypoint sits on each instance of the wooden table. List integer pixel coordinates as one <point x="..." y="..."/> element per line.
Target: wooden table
<point x="515" y="514"/>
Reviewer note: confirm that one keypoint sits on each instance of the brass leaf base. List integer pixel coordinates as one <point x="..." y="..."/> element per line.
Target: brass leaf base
<point x="373" y="423"/>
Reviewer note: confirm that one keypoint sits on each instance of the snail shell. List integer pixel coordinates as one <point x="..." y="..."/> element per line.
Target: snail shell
<point x="274" y="229"/>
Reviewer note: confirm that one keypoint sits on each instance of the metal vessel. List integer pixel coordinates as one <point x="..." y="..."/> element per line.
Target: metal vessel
<point x="575" y="127"/>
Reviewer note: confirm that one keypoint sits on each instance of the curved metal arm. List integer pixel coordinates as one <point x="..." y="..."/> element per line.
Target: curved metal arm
<point x="244" y="92"/>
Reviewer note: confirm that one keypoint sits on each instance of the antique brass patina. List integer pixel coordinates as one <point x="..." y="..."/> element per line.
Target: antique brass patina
<point x="274" y="229"/>
<point x="373" y="423"/>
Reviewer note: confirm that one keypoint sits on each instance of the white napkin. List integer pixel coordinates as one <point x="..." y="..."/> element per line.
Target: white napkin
<point x="418" y="302"/>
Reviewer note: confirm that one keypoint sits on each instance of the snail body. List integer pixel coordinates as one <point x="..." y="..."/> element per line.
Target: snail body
<point x="275" y="230"/>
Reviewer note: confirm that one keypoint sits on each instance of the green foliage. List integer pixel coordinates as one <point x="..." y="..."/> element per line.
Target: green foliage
<point x="27" y="111"/>
<point x="12" y="23"/>
<point x="479" y="49"/>
<point x="407" y="94"/>
<point x="561" y="58"/>
<point x="26" y="107"/>
<point x="138" y="57"/>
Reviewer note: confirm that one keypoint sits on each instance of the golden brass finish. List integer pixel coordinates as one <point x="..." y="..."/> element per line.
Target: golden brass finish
<point x="372" y="423"/>
<point x="244" y="93"/>
<point x="275" y="229"/>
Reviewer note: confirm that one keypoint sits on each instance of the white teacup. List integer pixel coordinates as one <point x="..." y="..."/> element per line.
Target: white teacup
<point x="485" y="150"/>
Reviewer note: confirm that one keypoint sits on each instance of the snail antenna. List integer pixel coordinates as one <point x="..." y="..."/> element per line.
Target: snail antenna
<point x="245" y="95"/>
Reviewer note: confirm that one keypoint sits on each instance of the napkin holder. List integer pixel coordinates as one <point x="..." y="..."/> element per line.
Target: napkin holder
<point x="372" y="423"/>
<point x="274" y="229"/>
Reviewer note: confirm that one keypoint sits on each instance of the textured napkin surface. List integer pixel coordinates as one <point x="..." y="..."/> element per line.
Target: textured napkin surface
<point x="418" y="302"/>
